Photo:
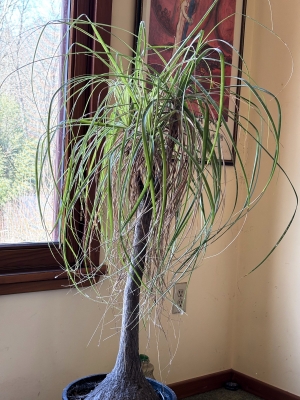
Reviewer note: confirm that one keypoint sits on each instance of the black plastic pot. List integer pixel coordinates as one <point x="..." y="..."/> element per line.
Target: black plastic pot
<point x="84" y="385"/>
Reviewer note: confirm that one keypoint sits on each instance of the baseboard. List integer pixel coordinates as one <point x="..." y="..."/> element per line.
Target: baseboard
<point x="261" y="389"/>
<point x="202" y="384"/>
<point x="214" y="381"/>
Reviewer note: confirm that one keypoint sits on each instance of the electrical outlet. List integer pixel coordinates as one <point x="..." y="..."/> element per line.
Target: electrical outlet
<point x="179" y="297"/>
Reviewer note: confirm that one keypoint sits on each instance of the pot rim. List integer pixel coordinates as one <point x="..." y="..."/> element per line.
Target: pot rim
<point x="155" y="384"/>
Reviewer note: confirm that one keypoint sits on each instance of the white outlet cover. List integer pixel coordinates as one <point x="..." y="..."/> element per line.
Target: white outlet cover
<point x="179" y="297"/>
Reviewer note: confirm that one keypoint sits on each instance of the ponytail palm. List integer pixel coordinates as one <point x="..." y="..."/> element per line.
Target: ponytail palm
<point x="153" y="154"/>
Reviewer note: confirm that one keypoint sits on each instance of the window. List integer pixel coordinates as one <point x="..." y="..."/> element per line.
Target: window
<point x="26" y="262"/>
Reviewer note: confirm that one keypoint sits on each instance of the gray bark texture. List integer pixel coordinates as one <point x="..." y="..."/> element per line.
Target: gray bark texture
<point x="126" y="381"/>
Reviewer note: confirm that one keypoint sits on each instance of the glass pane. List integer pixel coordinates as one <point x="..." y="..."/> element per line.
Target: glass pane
<point x="24" y="98"/>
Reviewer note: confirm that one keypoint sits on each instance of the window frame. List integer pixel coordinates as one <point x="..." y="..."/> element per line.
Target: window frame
<point x="32" y="267"/>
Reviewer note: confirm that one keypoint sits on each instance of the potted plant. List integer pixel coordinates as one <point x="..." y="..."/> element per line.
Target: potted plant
<point x="153" y="153"/>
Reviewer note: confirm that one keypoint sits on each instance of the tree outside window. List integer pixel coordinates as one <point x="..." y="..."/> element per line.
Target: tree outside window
<point x="27" y="264"/>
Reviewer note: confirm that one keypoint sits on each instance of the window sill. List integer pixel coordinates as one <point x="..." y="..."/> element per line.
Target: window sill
<point x="53" y="279"/>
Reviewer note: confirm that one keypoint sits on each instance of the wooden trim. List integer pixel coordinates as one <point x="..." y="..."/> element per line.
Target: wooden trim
<point x="101" y="14"/>
<point x="32" y="276"/>
<point x="201" y="384"/>
<point x="261" y="389"/>
<point x="16" y="259"/>
<point x="37" y="286"/>
<point x="40" y="281"/>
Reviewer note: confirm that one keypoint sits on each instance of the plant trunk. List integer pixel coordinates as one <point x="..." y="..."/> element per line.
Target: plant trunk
<point x="126" y="381"/>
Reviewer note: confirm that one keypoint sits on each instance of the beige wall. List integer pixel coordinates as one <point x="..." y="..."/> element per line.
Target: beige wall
<point x="44" y="340"/>
<point x="267" y="320"/>
<point x="263" y="338"/>
<point x="251" y="324"/>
